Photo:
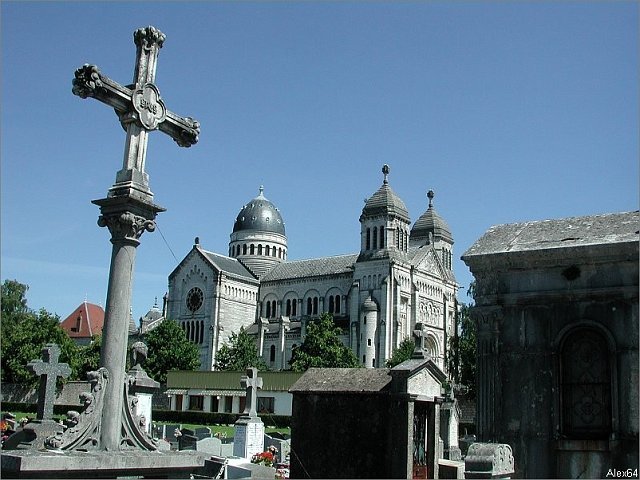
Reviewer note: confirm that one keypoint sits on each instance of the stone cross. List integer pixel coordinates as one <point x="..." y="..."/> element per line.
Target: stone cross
<point x="419" y="337"/>
<point x="128" y="210"/>
<point x="139" y="108"/>
<point x="251" y="382"/>
<point x="48" y="369"/>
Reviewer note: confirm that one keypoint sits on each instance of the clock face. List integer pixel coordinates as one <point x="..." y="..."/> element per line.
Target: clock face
<point x="194" y="299"/>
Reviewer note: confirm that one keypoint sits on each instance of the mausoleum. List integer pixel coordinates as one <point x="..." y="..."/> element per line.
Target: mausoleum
<point x="557" y="316"/>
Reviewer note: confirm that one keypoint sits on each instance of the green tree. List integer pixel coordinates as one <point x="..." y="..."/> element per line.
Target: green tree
<point x="169" y="349"/>
<point x="402" y="353"/>
<point x="89" y="357"/>
<point x="462" y="361"/>
<point x="239" y="354"/>
<point x="25" y="332"/>
<point x="322" y="347"/>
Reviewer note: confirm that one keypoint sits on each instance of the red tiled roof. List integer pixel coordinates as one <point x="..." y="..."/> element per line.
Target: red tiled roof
<point x="85" y="321"/>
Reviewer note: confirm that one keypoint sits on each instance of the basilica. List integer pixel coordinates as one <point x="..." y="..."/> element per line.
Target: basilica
<point x="401" y="277"/>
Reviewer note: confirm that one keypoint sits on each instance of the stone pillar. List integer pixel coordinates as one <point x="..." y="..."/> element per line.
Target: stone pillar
<point x="127" y="219"/>
<point x="488" y="381"/>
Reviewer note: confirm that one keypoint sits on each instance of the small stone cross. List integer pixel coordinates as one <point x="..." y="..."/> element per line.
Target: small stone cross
<point x="419" y="337"/>
<point x="48" y="369"/>
<point x="252" y="383"/>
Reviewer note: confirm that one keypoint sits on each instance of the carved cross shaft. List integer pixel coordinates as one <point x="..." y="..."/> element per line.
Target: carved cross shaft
<point x="138" y="106"/>
<point x="252" y="383"/>
<point x="48" y="369"/>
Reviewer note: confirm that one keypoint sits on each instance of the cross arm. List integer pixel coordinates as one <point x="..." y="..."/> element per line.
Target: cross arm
<point x="89" y="82"/>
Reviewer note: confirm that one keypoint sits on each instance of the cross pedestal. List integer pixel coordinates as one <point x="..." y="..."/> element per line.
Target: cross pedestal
<point x="249" y="429"/>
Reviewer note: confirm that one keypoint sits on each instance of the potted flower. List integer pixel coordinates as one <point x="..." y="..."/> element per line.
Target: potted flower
<point x="264" y="458"/>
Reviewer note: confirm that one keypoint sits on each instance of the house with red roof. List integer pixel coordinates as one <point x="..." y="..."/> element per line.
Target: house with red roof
<point x="85" y="322"/>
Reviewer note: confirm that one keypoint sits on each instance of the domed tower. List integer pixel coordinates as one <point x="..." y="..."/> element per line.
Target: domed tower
<point x="368" y="326"/>
<point x="258" y="239"/>
<point x="384" y="223"/>
<point x="431" y="228"/>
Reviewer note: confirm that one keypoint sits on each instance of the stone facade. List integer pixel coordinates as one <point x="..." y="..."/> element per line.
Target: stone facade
<point x="557" y="316"/>
<point x="402" y="274"/>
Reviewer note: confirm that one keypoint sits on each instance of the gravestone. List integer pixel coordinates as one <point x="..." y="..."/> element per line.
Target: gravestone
<point x="48" y="369"/>
<point x="35" y="433"/>
<point x="187" y="441"/>
<point x="210" y="445"/>
<point x="489" y="460"/>
<point x="249" y="429"/>
<point x="202" y="432"/>
<point x="282" y="445"/>
<point x="142" y="387"/>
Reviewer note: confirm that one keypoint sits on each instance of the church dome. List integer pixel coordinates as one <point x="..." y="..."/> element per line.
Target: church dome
<point x="259" y="215"/>
<point x="369" y="305"/>
<point x="431" y="223"/>
<point x="385" y="202"/>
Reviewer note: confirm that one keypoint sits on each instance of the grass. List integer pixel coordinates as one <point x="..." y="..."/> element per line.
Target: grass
<point x="224" y="430"/>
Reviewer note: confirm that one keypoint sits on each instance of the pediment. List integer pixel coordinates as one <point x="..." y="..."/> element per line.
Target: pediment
<point x="430" y="263"/>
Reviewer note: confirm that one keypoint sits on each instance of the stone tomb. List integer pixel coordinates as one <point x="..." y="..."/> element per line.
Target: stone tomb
<point x="556" y="305"/>
<point x="368" y="423"/>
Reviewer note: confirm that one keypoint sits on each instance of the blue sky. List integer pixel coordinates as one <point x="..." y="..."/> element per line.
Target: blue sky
<point x="509" y="111"/>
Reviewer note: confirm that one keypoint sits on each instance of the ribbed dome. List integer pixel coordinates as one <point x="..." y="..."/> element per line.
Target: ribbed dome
<point x="385" y="201"/>
<point x="261" y="215"/>
<point x="431" y="222"/>
<point x="369" y="305"/>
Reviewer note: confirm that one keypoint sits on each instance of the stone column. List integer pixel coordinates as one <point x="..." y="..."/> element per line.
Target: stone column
<point x="127" y="219"/>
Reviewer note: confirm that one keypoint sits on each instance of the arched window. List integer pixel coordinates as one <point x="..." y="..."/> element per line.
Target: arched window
<point x="337" y="303"/>
<point x="294" y="307"/>
<point x="375" y="238"/>
<point x="432" y="347"/>
<point x="585" y="383"/>
<point x="381" y="237"/>
<point x="331" y="304"/>
<point x="260" y="249"/>
<point x="315" y="305"/>
<point x="309" y="306"/>
<point x="252" y="249"/>
<point x="272" y="353"/>
<point x="288" y="307"/>
<point x="273" y="308"/>
<point x="268" y="250"/>
<point x="244" y="249"/>
<point x="368" y="246"/>
<point x="268" y="309"/>
<point x="274" y="252"/>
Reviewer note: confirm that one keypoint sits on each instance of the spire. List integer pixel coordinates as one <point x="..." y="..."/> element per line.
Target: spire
<point x="430" y="196"/>
<point x="261" y="195"/>
<point x="385" y="171"/>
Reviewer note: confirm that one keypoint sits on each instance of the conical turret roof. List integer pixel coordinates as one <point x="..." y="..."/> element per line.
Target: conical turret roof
<point x="431" y="223"/>
<point x="385" y="202"/>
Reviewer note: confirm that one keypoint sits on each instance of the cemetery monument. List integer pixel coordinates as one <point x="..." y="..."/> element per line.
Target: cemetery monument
<point x="109" y="436"/>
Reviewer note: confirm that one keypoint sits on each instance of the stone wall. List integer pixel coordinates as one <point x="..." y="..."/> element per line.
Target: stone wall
<point x="340" y="444"/>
